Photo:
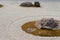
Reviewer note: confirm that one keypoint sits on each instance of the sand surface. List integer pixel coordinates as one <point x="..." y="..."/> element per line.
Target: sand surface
<point x="11" y="12"/>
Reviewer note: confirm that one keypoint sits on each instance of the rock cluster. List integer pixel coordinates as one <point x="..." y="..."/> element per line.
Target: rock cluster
<point x="29" y="4"/>
<point x="49" y="23"/>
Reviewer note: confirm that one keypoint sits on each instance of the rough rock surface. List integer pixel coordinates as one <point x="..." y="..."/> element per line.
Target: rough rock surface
<point x="29" y="4"/>
<point x="26" y="4"/>
<point x="37" y="4"/>
<point x="49" y="23"/>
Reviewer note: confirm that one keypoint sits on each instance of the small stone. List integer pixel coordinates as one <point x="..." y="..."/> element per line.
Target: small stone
<point x="1" y="5"/>
<point x="37" y="4"/>
<point x="31" y="29"/>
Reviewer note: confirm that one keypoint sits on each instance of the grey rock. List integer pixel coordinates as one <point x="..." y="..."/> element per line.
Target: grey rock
<point x="37" y="4"/>
<point x="49" y="23"/>
<point x="1" y="5"/>
<point x="26" y="4"/>
<point x="29" y="4"/>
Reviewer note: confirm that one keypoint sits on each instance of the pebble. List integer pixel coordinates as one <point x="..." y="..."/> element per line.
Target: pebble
<point x="31" y="29"/>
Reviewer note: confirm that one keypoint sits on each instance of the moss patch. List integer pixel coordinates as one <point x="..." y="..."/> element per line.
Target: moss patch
<point x="40" y="32"/>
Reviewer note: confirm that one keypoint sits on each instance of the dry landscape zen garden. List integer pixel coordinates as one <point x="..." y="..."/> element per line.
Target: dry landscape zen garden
<point x="46" y="27"/>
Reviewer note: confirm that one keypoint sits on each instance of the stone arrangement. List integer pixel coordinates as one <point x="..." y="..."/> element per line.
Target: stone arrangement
<point x="29" y="4"/>
<point x="45" y="27"/>
<point x="48" y="23"/>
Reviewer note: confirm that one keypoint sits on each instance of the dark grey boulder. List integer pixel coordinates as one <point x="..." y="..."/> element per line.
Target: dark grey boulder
<point x="1" y="5"/>
<point x="26" y="4"/>
<point x="37" y="4"/>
